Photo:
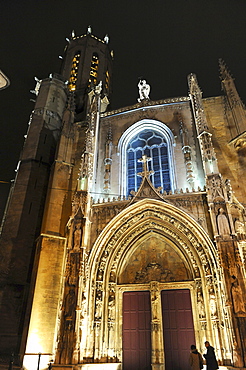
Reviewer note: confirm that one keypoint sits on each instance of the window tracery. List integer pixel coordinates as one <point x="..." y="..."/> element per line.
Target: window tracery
<point x="153" y="145"/>
<point x="154" y="139"/>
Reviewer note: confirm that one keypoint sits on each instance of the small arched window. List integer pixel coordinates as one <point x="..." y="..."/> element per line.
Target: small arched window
<point x="153" y="145"/>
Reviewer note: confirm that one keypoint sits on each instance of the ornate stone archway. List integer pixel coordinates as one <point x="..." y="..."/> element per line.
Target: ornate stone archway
<point x="145" y="222"/>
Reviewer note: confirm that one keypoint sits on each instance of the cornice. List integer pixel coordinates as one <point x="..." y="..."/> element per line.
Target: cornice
<point x="146" y="104"/>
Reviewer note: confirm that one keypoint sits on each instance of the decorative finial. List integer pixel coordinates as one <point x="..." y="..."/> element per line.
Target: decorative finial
<point x="144" y="90"/>
<point x="37" y="87"/>
<point x="89" y="30"/>
<point x="106" y="39"/>
<point x="224" y="71"/>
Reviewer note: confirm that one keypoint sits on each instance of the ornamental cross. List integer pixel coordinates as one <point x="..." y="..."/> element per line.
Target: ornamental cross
<point x="145" y="172"/>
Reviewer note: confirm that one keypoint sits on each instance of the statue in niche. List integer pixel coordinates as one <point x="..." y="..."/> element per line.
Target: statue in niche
<point x="77" y="237"/>
<point x="144" y="90"/>
<point x="112" y="277"/>
<point x="100" y="275"/>
<point x="111" y="304"/>
<point x="237" y="297"/>
<point x="74" y="268"/>
<point x="111" y="298"/>
<point x="200" y="305"/>
<point x="67" y="337"/>
<point x="223" y="224"/>
<point x="98" y="308"/>
<point x="69" y="305"/>
<point x="213" y="308"/>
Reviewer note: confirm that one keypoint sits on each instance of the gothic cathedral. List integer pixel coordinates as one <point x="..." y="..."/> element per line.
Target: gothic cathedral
<point x="124" y="236"/>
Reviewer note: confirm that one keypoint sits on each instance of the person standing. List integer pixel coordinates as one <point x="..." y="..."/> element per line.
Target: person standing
<point x="195" y="359"/>
<point x="211" y="361"/>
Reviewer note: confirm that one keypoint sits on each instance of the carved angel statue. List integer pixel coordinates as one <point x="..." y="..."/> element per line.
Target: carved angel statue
<point x="144" y="90"/>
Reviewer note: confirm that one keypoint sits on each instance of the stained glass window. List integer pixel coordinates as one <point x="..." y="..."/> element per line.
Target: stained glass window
<point x="152" y="144"/>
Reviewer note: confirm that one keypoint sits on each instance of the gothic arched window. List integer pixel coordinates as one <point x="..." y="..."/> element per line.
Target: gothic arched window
<point x="154" y="139"/>
<point x="94" y="69"/>
<point x="74" y="72"/>
<point x="153" y="145"/>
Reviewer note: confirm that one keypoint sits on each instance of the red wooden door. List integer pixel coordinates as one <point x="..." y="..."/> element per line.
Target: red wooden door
<point x="178" y="328"/>
<point x="136" y="331"/>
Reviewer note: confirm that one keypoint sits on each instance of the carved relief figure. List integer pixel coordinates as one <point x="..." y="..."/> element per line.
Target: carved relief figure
<point x="223" y="224"/>
<point x="77" y="237"/>
<point x="69" y="306"/>
<point x="237" y="297"/>
<point x="74" y="268"/>
<point x="67" y="337"/>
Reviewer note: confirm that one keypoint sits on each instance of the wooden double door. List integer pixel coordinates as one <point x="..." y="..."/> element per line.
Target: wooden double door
<point x="178" y="329"/>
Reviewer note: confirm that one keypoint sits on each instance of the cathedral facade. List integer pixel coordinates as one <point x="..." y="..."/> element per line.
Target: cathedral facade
<point x="124" y="239"/>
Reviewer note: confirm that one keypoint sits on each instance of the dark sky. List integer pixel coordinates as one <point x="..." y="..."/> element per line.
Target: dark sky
<point x="161" y="40"/>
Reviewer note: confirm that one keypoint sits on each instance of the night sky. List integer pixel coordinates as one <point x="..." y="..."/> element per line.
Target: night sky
<point x="160" y="40"/>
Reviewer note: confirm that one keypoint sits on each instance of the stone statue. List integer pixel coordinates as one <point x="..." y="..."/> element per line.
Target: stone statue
<point x="144" y="90"/>
<point x="213" y="308"/>
<point x="69" y="306"/>
<point x="77" y="237"/>
<point x="237" y="297"/>
<point x="106" y="39"/>
<point x="98" y="88"/>
<point x="200" y="305"/>
<point x="223" y="224"/>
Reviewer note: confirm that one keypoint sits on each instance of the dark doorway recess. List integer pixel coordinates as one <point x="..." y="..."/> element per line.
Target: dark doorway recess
<point x="136" y="331"/>
<point x="178" y="328"/>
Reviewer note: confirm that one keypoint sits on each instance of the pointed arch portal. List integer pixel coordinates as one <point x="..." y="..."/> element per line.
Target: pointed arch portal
<point x="153" y="247"/>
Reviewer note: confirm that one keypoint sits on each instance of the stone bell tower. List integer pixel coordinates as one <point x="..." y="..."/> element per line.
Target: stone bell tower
<point x="34" y="234"/>
<point x="61" y="244"/>
<point x="23" y="216"/>
<point x="86" y="62"/>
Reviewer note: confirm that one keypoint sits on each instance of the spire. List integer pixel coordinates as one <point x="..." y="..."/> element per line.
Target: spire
<point x="196" y="98"/>
<point x="234" y="107"/>
<point x="207" y="150"/>
<point x="225" y="74"/>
